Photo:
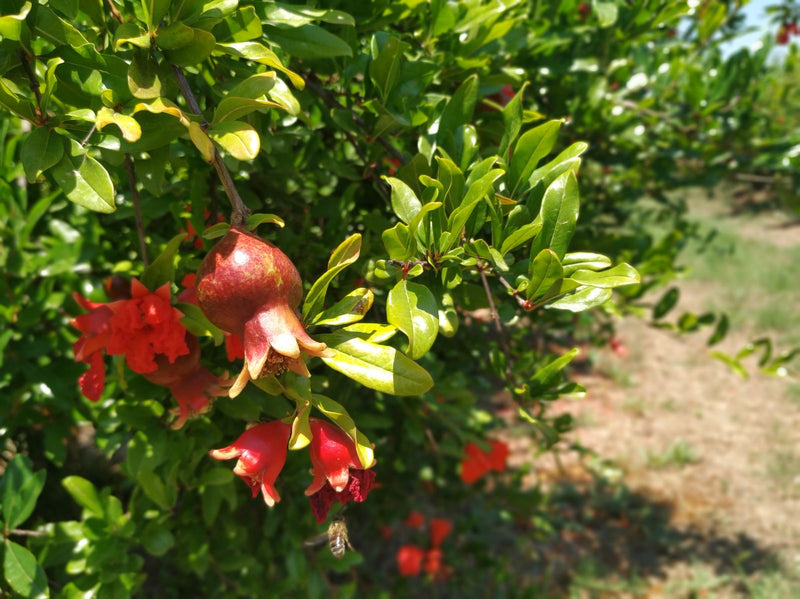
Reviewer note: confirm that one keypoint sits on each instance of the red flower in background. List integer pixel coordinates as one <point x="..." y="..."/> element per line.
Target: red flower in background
<point x="409" y="560"/>
<point x="440" y="528"/>
<point x="262" y="453"/>
<point x="414" y="520"/>
<point x="477" y="462"/>
<point x="144" y="326"/>
<point x="337" y="470"/>
<point x="89" y="348"/>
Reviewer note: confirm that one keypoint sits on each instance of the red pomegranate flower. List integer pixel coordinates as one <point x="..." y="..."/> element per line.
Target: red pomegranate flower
<point x="337" y="470"/>
<point x="477" y="462"/>
<point x="440" y="528"/>
<point x="409" y="560"/>
<point x="414" y="520"/>
<point x="262" y="452"/>
<point x="191" y="384"/>
<point x="89" y="348"/>
<point x="144" y="326"/>
<point x="248" y="287"/>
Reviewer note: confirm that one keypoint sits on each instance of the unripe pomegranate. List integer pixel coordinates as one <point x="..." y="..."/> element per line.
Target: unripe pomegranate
<point x="248" y="287"/>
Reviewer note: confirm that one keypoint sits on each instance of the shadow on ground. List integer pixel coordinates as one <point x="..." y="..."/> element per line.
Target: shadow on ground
<point x="604" y="532"/>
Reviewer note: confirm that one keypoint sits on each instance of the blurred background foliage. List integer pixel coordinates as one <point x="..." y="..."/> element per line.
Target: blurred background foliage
<point x="106" y="498"/>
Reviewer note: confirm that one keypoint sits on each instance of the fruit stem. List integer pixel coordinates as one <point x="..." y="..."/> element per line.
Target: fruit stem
<point x="240" y="211"/>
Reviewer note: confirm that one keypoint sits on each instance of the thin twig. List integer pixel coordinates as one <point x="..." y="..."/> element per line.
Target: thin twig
<point x="26" y="65"/>
<point x="27" y="533"/>
<point x="240" y="210"/>
<point x="522" y="303"/>
<point x="89" y="135"/>
<point x="137" y="207"/>
<point x="496" y="317"/>
<point x="114" y="12"/>
<point x="332" y="102"/>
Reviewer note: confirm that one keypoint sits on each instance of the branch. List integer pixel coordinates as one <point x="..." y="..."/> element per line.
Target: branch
<point x="525" y="305"/>
<point x="137" y="207"/>
<point x="240" y="210"/>
<point x="27" y="533"/>
<point x="114" y="12"/>
<point x="332" y="102"/>
<point x="89" y="135"/>
<point x="26" y="65"/>
<point x="496" y="317"/>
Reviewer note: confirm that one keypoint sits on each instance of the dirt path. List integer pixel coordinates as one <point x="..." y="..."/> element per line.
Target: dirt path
<point x="718" y="456"/>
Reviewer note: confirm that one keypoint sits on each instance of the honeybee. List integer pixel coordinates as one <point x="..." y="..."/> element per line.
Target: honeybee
<point x="336" y="536"/>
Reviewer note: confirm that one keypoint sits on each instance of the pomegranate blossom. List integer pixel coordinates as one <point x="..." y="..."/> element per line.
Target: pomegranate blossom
<point x="248" y="287"/>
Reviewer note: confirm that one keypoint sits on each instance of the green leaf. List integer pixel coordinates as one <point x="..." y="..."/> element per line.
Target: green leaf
<point x="282" y="95"/>
<point x="351" y="308"/>
<point x="202" y="141"/>
<point x="261" y="54"/>
<point x="156" y="539"/>
<point x="559" y="213"/>
<point x="459" y="108"/>
<point x="405" y="203"/>
<point x="448" y="317"/>
<point x="22" y="572"/>
<point x="521" y="236"/>
<point x="606" y="13"/>
<point x="378" y="367"/>
<point x="50" y="81"/>
<point x="41" y="150"/>
<point x="732" y="363"/>
<point x="620" y="275"/>
<point x="241" y="26"/>
<point x="568" y="160"/>
<point x="150" y="171"/>
<point x="130" y="128"/>
<point x="337" y="413"/>
<point x="458" y="218"/>
<point x="231" y="108"/>
<point x="216" y="231"/>
<point x="11" y="25"/>
<point x="194" y="52"/>
<point x="452" y="180"/>
<point x="84" y="180"/>
<point x="20" y="487"/>
<point x="512" y="119"/>
<point x="720" y="331"/>
<point x="412" y="308"/>
<point x="154" y="11"/>
<point x="546" y="377"/>
<point x="131" y="33"/>
<point x="279" y="13"/>
<point x="239" y="139"/>
<point x="258" y="219"/>
<point x="154" y="487"/>
<point x="254" y="86"/>
<point x="385" y="64"/>
<point x="545" y="272"/>
<point x="396" y="240"/>
<point x="162" y="269"/>
<point x="13" y="100"/>
<point x="308" y="41"/>
<point x="197" y="324"/>
<point x="174" y="36"/>
<point x="84" y="494"/>
<point x="666" y="303"/>
<point x="582" y="299"/>
<point x="342" y="257"/>
<point x="529" y="150"/>
<point x="584" y="260"/>
<point x="145" y="79"/>
<point x="371" y="331"/>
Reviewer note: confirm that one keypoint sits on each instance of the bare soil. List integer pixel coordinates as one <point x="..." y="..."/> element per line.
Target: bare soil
<point x="710" y="463"/>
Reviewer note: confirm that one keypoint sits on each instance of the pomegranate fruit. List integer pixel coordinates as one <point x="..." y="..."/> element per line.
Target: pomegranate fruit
<point x="249" y="287"/>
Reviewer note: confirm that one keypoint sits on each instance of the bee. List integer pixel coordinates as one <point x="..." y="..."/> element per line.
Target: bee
<point x="336" y="536"/>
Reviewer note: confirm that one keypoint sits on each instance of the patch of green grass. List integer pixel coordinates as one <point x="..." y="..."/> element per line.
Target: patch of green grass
<point x="783" y="467"/>
<point x="793" y="392"/>
<point x="635" y="405"/>
<point x="677" y="455"/>
<point x="757" y="280"/>
<point x="701" y="580"/>
<point x="593" y="577"/>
